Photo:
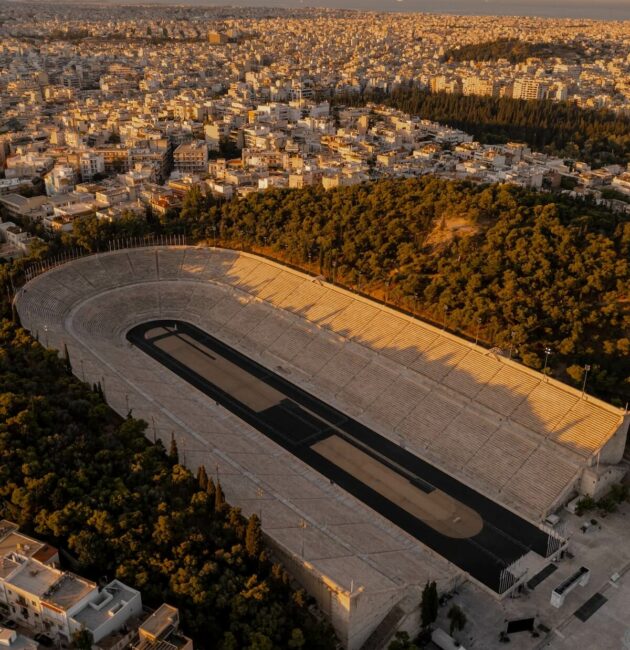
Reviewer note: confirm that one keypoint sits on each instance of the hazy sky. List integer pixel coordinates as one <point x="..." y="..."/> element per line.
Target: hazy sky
<point x="599" y="9"/>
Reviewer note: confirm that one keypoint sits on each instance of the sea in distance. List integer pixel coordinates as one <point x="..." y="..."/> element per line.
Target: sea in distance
<point x="580" y="9"/>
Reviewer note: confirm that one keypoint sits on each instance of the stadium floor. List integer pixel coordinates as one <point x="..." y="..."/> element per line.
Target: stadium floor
<point x="469" y="530"/>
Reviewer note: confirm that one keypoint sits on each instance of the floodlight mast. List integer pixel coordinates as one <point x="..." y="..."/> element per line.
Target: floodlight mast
<point x="547" y="353"/>
<point x="587" y="367"/>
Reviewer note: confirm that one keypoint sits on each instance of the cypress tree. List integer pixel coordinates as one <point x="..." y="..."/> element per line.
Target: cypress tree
<point x="429" y="604"/>
<point x="211" y="489"/>
<point x="15" y="317"/>
<point x="219" y="499"/>
<point x="202" y="478"/>
<point x="173" y="452"/>
<point x="66" y="358"/>
<point x="253" y="537"/>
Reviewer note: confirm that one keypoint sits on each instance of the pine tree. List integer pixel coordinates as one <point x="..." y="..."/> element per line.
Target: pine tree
<point x="253" y="537"/>
<point x="202" y="478"/>
<point x="173" y="452"/>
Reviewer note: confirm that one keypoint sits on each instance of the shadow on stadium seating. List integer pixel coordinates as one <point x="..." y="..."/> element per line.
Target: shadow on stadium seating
<point x="495" y="425"/>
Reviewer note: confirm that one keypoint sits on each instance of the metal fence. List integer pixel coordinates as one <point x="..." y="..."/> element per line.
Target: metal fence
<point x="37" y="268"/>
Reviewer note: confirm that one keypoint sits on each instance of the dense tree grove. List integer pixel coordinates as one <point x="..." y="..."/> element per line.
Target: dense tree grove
<point x="597" y="136"/>
<point x="75" y="474"/>
<point x="536" y="271"/>
<point x="512" y="49"/>
<point x="532" y="270"/>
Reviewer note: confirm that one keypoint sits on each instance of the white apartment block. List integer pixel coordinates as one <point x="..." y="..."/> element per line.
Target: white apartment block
<point x="60" y="180"/>
<point x="44" y="599"/>
<point x="91" y="165"/>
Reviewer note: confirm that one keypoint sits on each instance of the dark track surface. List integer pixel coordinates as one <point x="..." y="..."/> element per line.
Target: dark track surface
<point x="504" y="537"/>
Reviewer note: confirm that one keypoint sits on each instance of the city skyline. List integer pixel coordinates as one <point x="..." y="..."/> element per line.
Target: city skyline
<point x="577" y="9"/>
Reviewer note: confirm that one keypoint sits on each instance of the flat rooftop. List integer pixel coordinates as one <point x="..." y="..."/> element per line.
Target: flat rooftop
<point x="68" y="591"/>
<point x="7" y="567"/>
<point x="11" y="541"/>
<point x="35" y="578"/>
<point x="93" y="618"/>
<point x="163" y="617"/>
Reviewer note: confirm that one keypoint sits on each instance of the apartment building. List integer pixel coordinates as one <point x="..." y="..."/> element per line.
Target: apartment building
<point x="191" y="158"/>
<point x="116" y="159"/>
<point x="91" y="164"/>
<point x="18" y="241"/>
<point x="161" y="630"/>
<point x="529" y="89"/>
<point x="60" y="180"/>
<point x="43" y="599"/>
<point x="479" y="86"/>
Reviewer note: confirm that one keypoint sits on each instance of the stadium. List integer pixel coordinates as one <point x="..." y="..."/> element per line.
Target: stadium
<point x="379" y="451"/>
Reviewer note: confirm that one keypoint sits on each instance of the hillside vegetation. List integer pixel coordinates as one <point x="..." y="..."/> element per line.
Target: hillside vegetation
<point x="538" y="272"/>
<point x="74" y="473"/>
<point x="597" y="136"/>
<point x="512" y="49"/>
<point x="528" y="271"/>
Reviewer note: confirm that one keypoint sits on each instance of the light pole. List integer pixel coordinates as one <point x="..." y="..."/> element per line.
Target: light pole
<point x="260" y="493"/>
<point x="587" y="367"/>
<point x="387" y="283"/>
<point x="445" y="315"/>
<point x="477" y="333"/>
<point x="334" y="266"/>
<point x="46" y="333"/>
<point x="214" y="232"/>
<point x="547" y="353"/>
<point x="512" y="334"/>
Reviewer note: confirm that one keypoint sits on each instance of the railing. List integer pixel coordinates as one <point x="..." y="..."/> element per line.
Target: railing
<point x="512" y="575"/>
<point x="556" y="538"/>
<point x="38" y="268"/>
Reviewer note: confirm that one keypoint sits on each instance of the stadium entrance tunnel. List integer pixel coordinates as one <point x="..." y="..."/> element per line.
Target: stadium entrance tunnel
<point x="469" y="530"/>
